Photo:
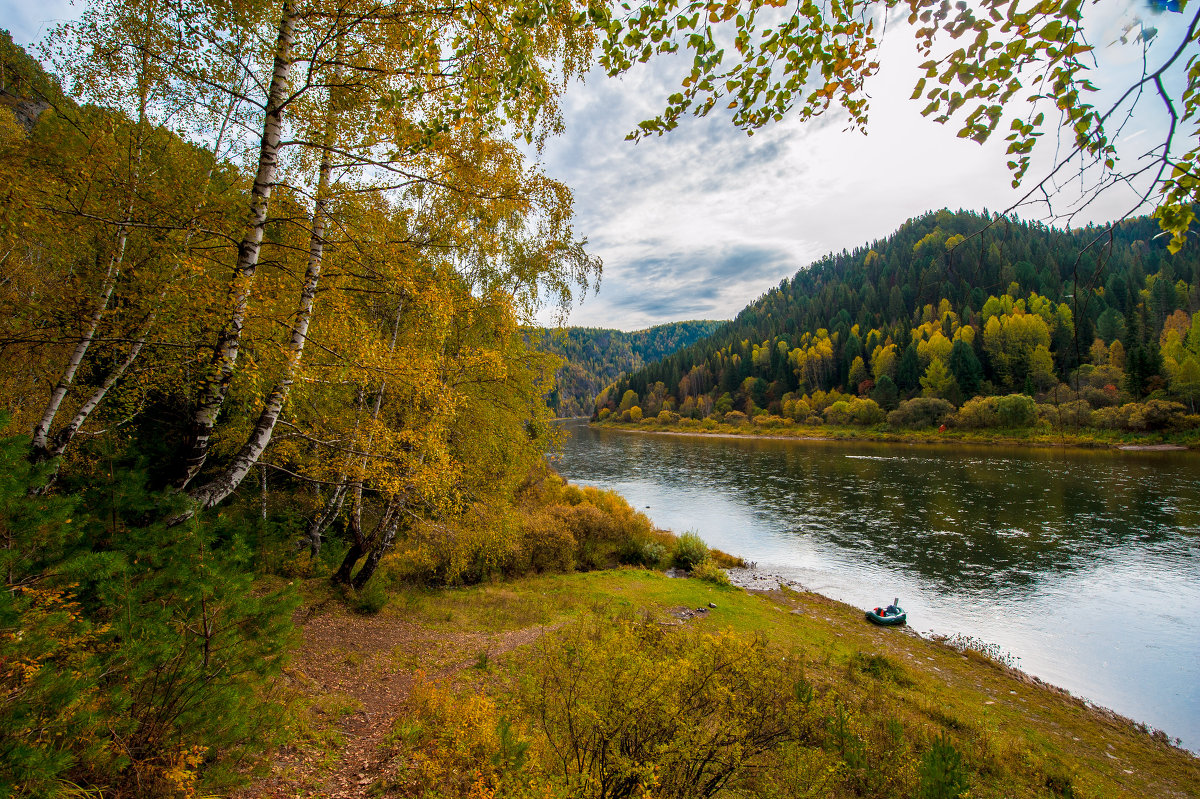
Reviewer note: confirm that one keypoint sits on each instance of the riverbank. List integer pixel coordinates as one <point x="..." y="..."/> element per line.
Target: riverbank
<point x="441" y="686"/>
<point x="1036" y="437"/>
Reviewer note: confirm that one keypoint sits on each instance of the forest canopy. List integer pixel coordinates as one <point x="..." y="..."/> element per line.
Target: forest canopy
<point x="951" y="307"/>
<point x="595" y="357"/>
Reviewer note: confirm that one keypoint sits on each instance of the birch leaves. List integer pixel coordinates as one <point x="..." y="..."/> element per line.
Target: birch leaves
<point x="376" y="203"/>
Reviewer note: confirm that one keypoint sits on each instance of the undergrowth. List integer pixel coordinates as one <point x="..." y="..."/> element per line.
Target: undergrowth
<point x="554" y="527"/>
<point x="621" y="706"/>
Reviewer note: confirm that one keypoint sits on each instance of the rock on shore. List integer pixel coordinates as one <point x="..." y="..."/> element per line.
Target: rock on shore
<point x="754" y="580"/>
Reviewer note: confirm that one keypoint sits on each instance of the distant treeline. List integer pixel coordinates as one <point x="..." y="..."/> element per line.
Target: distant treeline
<point x="594" y="357"/>
<point x="951" y="306"/>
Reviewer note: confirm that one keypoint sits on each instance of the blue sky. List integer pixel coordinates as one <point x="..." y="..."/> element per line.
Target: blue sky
<point x="701" y="222"/>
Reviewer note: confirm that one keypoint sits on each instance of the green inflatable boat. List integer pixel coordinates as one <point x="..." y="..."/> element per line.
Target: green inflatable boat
<point x="891" y="616"/>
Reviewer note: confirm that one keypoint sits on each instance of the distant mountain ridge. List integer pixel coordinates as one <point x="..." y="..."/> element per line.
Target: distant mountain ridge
<point x="595" y="357"/>
<point x="1003" y="305"/>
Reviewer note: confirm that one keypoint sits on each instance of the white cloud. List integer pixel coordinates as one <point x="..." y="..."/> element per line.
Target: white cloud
<point x="791" y="193"/>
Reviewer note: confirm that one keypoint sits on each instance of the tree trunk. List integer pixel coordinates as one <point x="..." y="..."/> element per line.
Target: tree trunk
<point x="41" y="440"/>
<point x="360" y="543"/>
<point x="377" y="552"/>
<point x="320" y="523"/>
<point x="216" y="384"/>
<point x="262" y="476"/>
<point x="342" y="575"/>
<point x="63" y="437"/>
<point x="227" y="481"/>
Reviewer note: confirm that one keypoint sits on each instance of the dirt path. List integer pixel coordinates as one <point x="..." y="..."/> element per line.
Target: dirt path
<point x="365" y="665"/>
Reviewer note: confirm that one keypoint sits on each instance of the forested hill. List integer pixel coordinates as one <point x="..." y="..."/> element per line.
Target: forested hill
<point x="990" y="305"/>
<point x="597" y="356"/>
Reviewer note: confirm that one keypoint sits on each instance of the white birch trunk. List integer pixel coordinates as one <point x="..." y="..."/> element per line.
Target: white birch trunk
<point x="227" y="481"/>
<point x="63" y="437"/>
<point x="225" y="354"/>
<point x="41" y="433"/>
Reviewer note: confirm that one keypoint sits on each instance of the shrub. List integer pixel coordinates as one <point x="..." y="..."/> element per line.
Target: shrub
<point x="1016" y="411"/>
<point x="797" y="409"/>
<point x="820" y="400"/>
<point x="548" y="543"/>
<point x="979" y="412"/>
<point x="856" y="410"/>
<point x="49" y="666"/>
<point x="1068" y="414"/>
<point x="647" y="553"/>
<point x="690" y="551"/>
<point x="920" y="412"/>
<point x="190" y="648"/>
<point x="1161" y="414"/>
<point x="769" y="421"/>
<point x="370" y="599"/>
<point x="1108" y="419"/>
<point x="133" y="654"/>
<point x="838" y="413"/>
<point x="667" y="417"/>
<point x="734" y="417"/>
<point x="587" y="523"/>
<point x="458" y="552"/>
<point x="557" y="528"/>
<point x="1139" y="416"/>
<point x="1101" y="397"/>
<point x="452" y="744"/>
<point x="710" y="572"/>
<point x="866" y="412"/>
<point x="629" y="708"/>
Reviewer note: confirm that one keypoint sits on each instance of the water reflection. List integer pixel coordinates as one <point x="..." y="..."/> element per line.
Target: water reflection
<point x="1078" y="562"/>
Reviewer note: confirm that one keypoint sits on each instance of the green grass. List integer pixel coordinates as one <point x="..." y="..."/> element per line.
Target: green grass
<point x="1020" y="738"/>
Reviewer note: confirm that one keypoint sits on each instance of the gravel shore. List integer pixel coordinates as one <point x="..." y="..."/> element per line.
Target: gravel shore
<point x="756" y="580"/>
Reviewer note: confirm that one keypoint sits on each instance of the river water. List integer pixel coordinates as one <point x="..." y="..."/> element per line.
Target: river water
<point x="1084" y="565"/>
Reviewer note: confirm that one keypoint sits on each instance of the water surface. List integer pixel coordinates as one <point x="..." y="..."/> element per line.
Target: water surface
<point x="1085" y="565"/>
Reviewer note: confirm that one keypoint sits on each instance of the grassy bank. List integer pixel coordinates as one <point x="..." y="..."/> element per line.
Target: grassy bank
<point x="628" y="683"/>
<point x="1029" y="437"/>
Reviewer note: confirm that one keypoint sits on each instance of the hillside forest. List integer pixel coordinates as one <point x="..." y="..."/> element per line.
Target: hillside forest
<point x="964" y="319"/>
<point x="594" y="357"/>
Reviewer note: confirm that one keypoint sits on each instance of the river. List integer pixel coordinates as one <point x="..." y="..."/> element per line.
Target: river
<point x="1085" y="565"/>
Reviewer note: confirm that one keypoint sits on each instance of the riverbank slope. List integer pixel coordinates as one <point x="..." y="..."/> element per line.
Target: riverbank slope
<point x="464" y="691"/>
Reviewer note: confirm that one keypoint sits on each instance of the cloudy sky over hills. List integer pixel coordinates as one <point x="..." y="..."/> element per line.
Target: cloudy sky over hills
<point x="700" y="222"/>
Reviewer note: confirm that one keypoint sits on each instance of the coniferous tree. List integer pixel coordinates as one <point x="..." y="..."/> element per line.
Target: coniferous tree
<point x="908" y="371"/>
<point x="967" y="370"/>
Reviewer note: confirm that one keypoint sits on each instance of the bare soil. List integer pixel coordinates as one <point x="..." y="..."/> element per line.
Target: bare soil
<point x="358" y="671"/>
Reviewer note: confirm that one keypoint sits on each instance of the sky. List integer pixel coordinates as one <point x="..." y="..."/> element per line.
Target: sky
<point x="699" y="223"/>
